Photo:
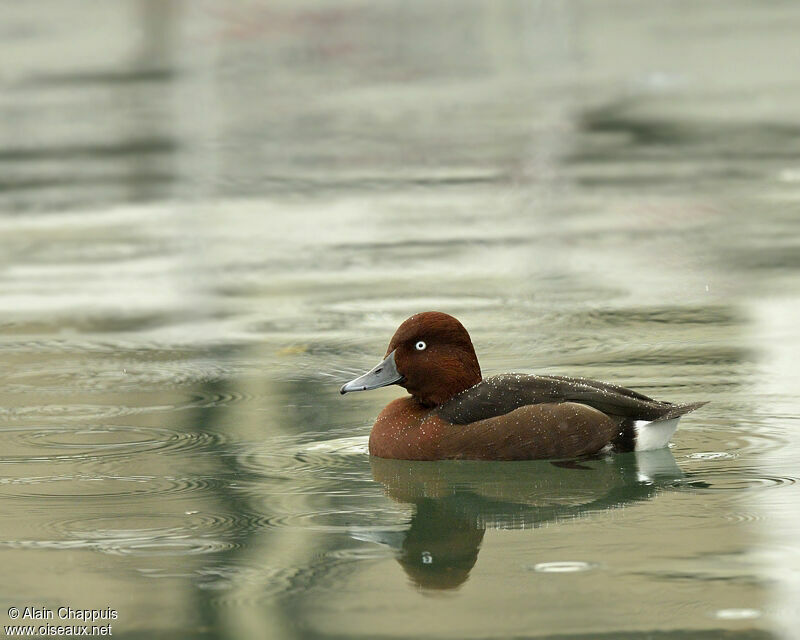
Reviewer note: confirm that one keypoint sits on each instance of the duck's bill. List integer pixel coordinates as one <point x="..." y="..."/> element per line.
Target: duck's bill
<point x="382" y="375"/>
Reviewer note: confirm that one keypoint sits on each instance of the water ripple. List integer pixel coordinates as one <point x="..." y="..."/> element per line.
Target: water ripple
<point x="83" y="412"/>
<point x="319" y="462"/>
<point x="143" y="542"/>
<point x="50" y="444"/>
<point x="98" y="486"/>
<point x="734" y="482"/>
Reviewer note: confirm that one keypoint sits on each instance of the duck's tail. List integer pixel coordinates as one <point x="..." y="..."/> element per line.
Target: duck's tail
<point x="655" y="434"/>
<point x="647" y="435"/>
<point x="678" y="410"/>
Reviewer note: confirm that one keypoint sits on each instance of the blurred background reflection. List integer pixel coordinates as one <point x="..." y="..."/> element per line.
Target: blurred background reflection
<point x="212" y="214"/>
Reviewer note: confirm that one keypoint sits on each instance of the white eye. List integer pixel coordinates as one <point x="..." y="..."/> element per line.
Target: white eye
<point x="420" y="346"/>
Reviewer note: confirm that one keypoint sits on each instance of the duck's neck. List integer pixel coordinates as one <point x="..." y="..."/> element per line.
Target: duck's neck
<point x="452" y="378"/>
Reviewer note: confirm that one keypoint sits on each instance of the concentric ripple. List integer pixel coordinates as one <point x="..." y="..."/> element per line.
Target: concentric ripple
<point x="151" y="534"/>
<point x="83" y="412"/>
<point x="71" y="486"/>
<point x="318" y="461"/>
<point x="336" y="519"/>
<point x="226" y="526"/>
<point x="60" y="443"/>
<point x="138" y="542"/>
<point x="172" y="371"/>
<point x="734" y="482"/>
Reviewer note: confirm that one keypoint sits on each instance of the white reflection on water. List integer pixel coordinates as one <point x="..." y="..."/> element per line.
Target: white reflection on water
<point x="776" y="333"/>
<point x="563" y="566"/>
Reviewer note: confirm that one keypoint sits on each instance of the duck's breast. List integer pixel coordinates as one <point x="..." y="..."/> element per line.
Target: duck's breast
<point x="402" y="432"/>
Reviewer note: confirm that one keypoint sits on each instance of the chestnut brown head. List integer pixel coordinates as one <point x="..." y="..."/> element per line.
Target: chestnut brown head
<point x="431" y="355"/>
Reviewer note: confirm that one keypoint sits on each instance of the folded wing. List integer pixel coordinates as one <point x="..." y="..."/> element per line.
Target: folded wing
<point x="505" y="393"/>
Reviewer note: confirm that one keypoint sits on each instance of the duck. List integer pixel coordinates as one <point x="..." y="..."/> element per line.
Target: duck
<point x="453" y="413"/>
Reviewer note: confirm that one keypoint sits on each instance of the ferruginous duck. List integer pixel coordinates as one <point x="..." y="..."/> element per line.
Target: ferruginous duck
<point x="453" y="413"/>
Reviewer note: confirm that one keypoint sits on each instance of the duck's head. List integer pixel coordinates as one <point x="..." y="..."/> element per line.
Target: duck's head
<point x="430" y="355"/>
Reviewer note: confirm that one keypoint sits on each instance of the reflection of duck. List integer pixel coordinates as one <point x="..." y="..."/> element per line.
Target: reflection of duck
<point x="453" y="413"/>
<point x="456" y="501"/>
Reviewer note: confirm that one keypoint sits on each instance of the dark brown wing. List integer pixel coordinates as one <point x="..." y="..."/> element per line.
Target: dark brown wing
<point x="601" y="385"/>
<point x="502" y="394"/>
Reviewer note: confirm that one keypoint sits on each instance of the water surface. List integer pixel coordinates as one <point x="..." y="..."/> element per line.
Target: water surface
<point x="212" y="215"/>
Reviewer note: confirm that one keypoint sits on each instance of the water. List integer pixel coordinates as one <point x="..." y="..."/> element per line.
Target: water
<point x="214" y="214"/>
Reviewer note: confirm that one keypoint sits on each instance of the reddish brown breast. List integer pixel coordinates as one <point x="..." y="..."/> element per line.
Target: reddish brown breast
<point x="402" y="431"/>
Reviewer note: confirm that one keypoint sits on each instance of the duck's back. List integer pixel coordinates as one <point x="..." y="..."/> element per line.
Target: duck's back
<point x="502" y="394"/>
<point x="553" y="416"/>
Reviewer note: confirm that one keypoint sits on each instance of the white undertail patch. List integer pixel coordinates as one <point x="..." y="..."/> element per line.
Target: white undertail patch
<point x="655" y="465"/>
<point x="655" y="434"/>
